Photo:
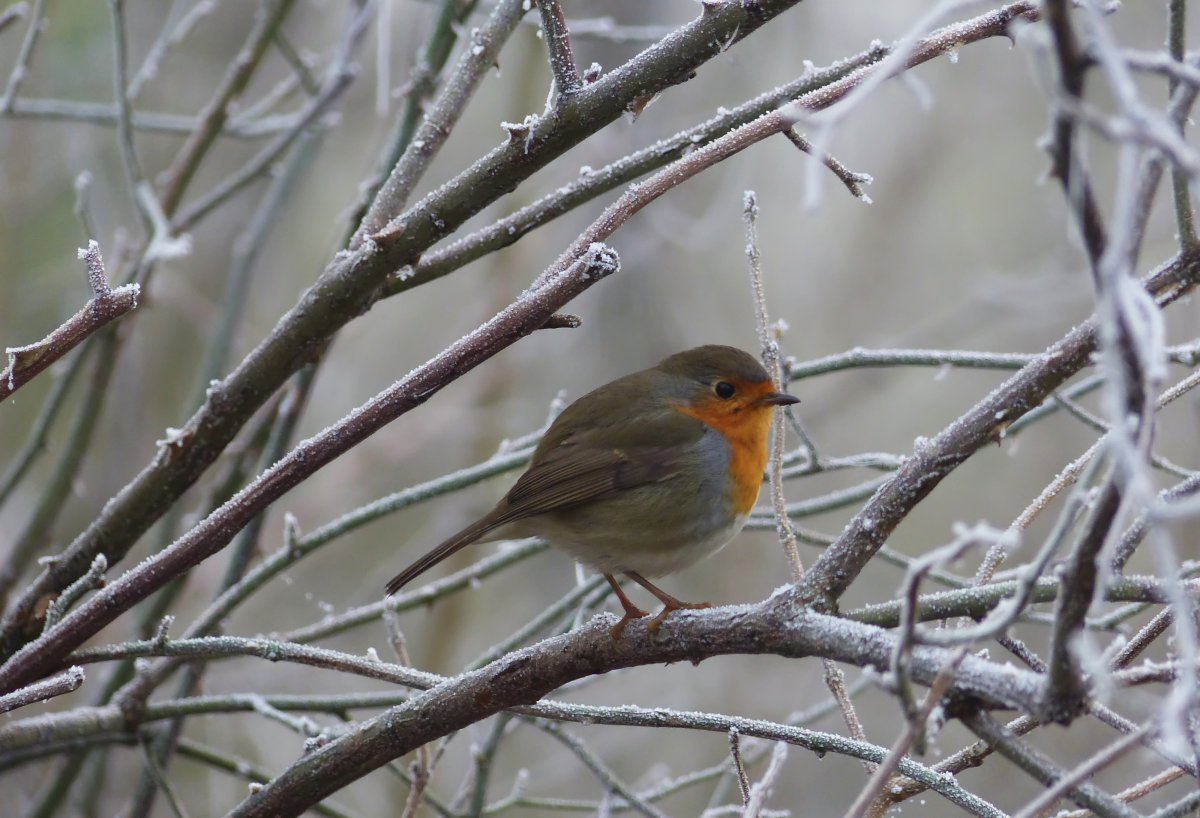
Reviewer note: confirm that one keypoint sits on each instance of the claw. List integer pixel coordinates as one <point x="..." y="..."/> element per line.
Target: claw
<point x="657" y="621"/>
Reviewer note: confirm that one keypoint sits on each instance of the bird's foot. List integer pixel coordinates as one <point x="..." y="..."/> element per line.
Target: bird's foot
<point x="657" y="621"/>
<point x="632" y="611"/>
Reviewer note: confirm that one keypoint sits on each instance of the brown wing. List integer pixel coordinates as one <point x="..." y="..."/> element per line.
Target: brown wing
<point x="574" y="473"/>
<point x="630" y="441"/>
<point x="568" y="474"/>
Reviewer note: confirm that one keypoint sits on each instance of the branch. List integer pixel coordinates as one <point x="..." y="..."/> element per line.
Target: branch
<point x="1072" y="66"/>
<point x="64" y="682"/>
<point x="525" y="676"/>
<point x="984" y="423"/>
<point x="27" y="362"/>
<point x="558" y="43"/>
<point x="350" y="284"/>
<point x="211" y="120"/>
<point x="1042" y="769"/>
<point x="482" y="52"/>
<point x="569" y="276"/>
<point x="853" y="181"/>
<point x="814" y="91"/>
<point x="21" y="69"/>
<point x="1066" y="690"/>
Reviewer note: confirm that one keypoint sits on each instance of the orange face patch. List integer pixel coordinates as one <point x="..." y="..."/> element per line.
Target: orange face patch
<point x="746" y="425"/>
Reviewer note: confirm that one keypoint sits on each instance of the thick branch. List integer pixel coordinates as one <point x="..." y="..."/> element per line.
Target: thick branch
<point x="523" y="677"/>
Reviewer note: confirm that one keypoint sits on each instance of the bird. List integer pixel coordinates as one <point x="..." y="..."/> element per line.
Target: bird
<point x="642" y="476"/>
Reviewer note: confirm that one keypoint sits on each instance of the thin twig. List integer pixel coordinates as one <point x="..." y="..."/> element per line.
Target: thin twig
<point x="1185" y="217"/>
<point x="338" y="78"/>
<point x="64" y="682"/>
<point x="1042" y="769"/>
<point x="853" y="181"/>
<point x="761" y="791"/>
<point x="12" y="14"/>
<point x="558" y="43"/>
<point x="735" y="754"/>
<point x="20" y="70"/>
<point x="1083" y="770"/>
<point x="876" y="786"/>
<point x="106" y="305"/>
<point x="212" y="117"/>
<point x="425" y="143"/>
<point x="134" y="177"/>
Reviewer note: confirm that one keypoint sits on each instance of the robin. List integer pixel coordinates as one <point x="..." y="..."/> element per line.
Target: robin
<point x="643" y="476"/>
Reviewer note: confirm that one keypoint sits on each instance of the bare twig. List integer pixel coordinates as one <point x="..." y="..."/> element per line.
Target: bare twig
<point x="558" y="43"/>
<point x="26" y="362"/>
<point x="853" y="181"/>
<point x="57" y="685"/>
<point x="21" y="68"/>
<point x="214" y="114"/>
<point x="769" y="342"/>
<point x="338" y="78"/>
<point x="735" y="753"/>
<point x="482" y="53"/>
<point x="1066" y="689"/>
<point x="1042" y="770"/>
<point x="1086" y="769"/>
<point x="873" y="789"/>
<point x="13" y="13"/>
<point x="761" y="790"/>
<point x="1185" y="217"/>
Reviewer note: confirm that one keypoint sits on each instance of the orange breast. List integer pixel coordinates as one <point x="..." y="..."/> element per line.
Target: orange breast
<point x="746" y="427"/>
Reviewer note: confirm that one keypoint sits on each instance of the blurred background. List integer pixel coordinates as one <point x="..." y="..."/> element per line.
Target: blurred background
<point x="965" y="245"/>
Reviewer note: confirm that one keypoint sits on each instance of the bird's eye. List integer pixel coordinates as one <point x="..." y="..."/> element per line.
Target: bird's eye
<point x="723" y="390"/>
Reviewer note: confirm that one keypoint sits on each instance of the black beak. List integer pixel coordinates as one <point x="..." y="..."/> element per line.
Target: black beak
<point x="777" y="399"/>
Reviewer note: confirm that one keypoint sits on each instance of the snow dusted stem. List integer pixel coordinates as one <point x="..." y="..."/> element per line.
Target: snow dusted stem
<point x="27" y="362"/>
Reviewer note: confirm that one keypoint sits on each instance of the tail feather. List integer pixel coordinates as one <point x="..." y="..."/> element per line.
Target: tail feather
<point x="459" y="541"/>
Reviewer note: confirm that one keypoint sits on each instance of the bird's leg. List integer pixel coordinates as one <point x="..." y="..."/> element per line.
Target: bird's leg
<point x="669" y="602"/>
<point x="632" y="611"/>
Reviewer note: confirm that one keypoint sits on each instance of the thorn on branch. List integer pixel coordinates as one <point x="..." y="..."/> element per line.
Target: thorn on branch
<point x="563" y="321"/>
<point x="521" y="131"/>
